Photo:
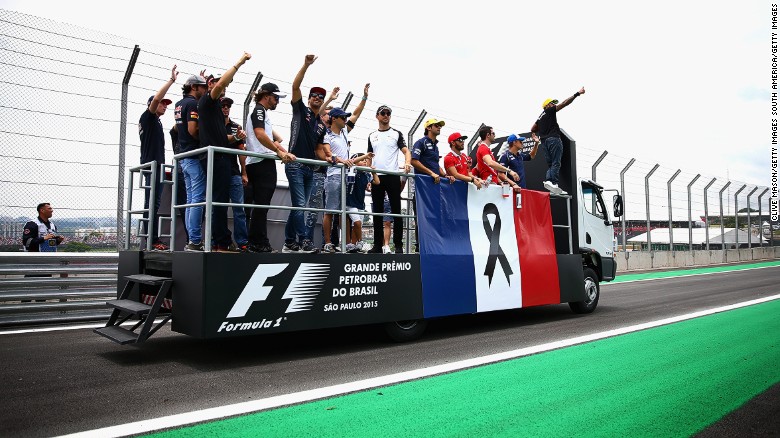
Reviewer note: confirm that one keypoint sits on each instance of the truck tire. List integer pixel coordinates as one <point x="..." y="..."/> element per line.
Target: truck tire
<point x="592" y="292"/>
<point x="404" y="331"/>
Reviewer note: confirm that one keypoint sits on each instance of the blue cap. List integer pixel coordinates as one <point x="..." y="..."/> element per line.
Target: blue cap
<point x="338" y="112"/>
<point x="511" y="139"/>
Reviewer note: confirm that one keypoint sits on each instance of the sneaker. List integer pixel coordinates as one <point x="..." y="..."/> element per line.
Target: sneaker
<point x="375" y="250"/>
<point x="328" y="248"/>
<point x="308" y="247"/>
<point x="291" y="247"/>
<point x="245" y="248"/>
<point x="550" y="186"/>
<point x="561" y="192"/>
<point x="366" y="247"/>
<point x="337" y="248"/>
<point x="194" y="247"/>
<point x="159" y="246"/>
<point x="399" y="250"/>
<point x="265" y="248"/>
<point x="224" y="248"/>
<point x="386" y="250"/>
<point x="351" y="248"/>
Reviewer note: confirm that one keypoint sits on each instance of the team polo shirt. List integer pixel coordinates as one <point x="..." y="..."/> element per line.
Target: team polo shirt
<point x="211" y="122"/>
<point x="259" y="118"/>
<point x="150" y="131"/>
<point x="232" y="128"/>
<point x="426" y="151"/>
<point x="461" y="162"/>
<point x="483" y="170"/>
<point x="339" y="147"/>
<point x="186" y="111"/>
<point x="387" y="147"/>
<point x="306" y="131"/>
<point x="547" y="123"/>
<point x="515" y="162"/>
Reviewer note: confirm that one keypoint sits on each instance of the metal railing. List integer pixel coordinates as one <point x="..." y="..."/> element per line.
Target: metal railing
<point x="209" y="202"/>
<point x="40" y="288"/>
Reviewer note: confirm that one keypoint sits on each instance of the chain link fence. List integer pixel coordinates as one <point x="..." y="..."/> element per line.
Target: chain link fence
<point x="60" y="126"/>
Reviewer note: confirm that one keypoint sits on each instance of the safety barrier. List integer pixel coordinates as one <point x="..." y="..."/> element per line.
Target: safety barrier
<point x="38" y="288"/>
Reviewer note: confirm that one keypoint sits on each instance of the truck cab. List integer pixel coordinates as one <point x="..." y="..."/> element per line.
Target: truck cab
<point x="596" y="233"/>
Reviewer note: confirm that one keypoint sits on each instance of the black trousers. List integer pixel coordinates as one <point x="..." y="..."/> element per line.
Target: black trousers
<point x="262" y="177"/>
<point x="220" y="233"/>
<point x="390" y="184"/>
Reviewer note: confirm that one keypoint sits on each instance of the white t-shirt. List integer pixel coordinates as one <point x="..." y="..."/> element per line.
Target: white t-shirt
<point x="386" y="146"/>
<point x="339" y="147"/>
<point x="258" y="118"/>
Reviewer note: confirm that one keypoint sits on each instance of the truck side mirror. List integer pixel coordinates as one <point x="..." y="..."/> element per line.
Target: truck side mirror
<point x="617" y="205"/>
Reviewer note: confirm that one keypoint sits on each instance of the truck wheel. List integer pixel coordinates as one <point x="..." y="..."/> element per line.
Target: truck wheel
<point x="403" y="331"/>
<point x="591" y="284"/>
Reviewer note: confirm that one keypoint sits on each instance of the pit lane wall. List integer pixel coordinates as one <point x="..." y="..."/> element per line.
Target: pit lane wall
<point x="641" y="260"/>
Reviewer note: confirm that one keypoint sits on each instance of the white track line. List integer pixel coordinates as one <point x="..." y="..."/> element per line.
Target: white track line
<point x="361" y="385"/>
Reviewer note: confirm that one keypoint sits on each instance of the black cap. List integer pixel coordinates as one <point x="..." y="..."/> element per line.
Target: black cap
<point x="270" y="87"/>
<point x="227" y="101"/>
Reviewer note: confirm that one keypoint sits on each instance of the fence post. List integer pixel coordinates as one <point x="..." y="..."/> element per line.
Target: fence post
<point x="593" y="168"/>
<point x="473" y="140"/>
<point x="722" y="229"/>
<point x="750" y="239"/>
<point x="249" y="95"/>
<point x="761" y="225"/>
<point x="690" y="220"/>
<point x="647" y="208"/>
<point x="707" y="216"/>
<point x="120" y="191"/>
<point x="625" y="204"/>
<point x="736" y="215"/>
<point x="410" y="184"/>
<point x="669" y="202"/>
<point x="347" y="100"/>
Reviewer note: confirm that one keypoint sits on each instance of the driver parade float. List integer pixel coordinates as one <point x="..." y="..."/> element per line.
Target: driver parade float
<point x="480" y="251"/>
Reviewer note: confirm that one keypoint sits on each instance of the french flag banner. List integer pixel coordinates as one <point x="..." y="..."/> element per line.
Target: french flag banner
<point x="473" y="244"/>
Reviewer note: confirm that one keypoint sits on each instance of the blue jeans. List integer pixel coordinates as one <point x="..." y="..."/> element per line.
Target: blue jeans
<point x="316" y="200"/>
<point x="195" y="184"/>
<point x="553" y="150"/>
<point x="301" y="180"/>
<point x="239" y="217"/>
<point x="152" y="224"/>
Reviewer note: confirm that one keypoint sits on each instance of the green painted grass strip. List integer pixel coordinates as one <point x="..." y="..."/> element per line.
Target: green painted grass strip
<point x="678" y="273"/>
<point x="668" y="381"/>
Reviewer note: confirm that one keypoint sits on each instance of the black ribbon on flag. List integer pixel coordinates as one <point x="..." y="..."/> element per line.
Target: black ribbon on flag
<point x="496" y="253"/>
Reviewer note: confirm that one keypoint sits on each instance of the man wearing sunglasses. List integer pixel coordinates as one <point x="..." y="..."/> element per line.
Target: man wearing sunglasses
<point x="262" y="138"/>
<point x="387" y="145"/>
<point x="336" y="151"/>
<point x="307" y="132"/>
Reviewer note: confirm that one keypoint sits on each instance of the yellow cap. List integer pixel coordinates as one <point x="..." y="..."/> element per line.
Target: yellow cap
<point x="430" y="122"/>
<point x="549" y="101"/>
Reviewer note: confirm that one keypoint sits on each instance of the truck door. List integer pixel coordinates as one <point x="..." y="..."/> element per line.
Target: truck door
<point x="596" y="232"/>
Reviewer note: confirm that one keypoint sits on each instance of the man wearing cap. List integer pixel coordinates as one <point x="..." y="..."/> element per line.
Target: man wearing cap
<point x="307" y="132"/>
<point x="458" y="164"/>
<point x="425" y="160"/>
<point x="212" y="132"/>
<point x="387" y="144"/>
<point x="487" y="166"/>
<point x="549" y="131"/>
<point x="238" y="176"/>
<point x="514" y="156"/>
<point x="153" y="149"/>
<point x="186" y="116"/>
<point x="262" y="138"/>
<point x="336" y="151"/>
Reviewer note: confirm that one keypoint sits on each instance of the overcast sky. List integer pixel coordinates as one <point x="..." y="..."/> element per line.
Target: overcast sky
<point x="682" y="84"/>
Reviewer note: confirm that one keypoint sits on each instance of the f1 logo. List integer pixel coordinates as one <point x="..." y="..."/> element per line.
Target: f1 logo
<point x="302" y="290"/>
